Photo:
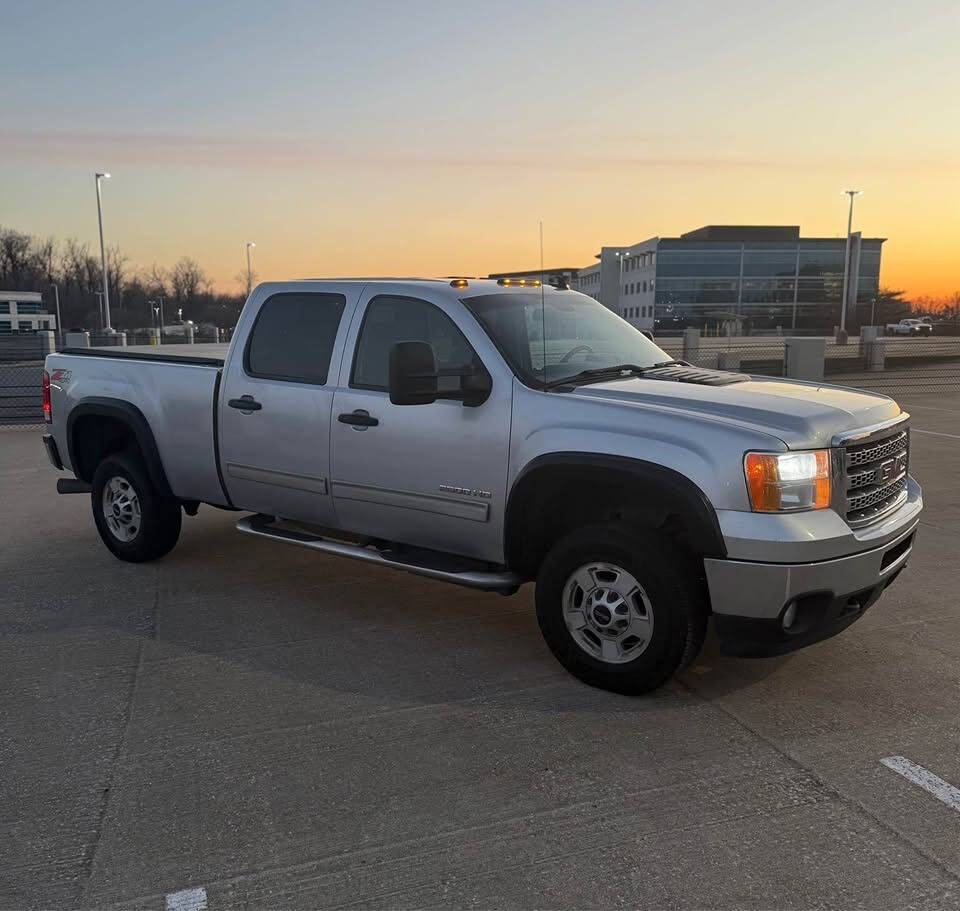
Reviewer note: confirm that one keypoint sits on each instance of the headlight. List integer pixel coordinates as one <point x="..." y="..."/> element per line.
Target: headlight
<point x="788" y="481"/>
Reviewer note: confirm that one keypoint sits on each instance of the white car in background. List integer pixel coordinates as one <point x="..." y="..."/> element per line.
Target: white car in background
<point x="910" y="327"/>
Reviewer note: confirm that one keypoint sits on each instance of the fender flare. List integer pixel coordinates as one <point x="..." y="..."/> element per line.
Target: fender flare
<point x="132" y="417"/>
<point x="686" y="499"/>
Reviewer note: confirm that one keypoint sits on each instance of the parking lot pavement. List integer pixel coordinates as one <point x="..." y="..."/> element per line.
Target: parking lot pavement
<point x="252" y="725"/>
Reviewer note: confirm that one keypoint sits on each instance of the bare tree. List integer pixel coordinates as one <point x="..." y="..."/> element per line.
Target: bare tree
<point x="116" y="272"/>
<point x="241" y="279"/>
<point x="188" y="280"/>
<point x="44" y="257"/>
<point x="157" y="280"/>
<point x="73" y="264"/>
<point x="14" y="258"/>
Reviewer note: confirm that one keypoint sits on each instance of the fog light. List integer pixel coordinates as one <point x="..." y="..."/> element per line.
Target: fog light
<point x="789" y="615"/>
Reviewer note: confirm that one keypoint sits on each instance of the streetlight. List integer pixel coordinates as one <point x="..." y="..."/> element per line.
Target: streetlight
<point x="56" y="296"/>
<point x="103" y="255"/>
<point x="250" y="244"/>
<point x="846" y="261"/>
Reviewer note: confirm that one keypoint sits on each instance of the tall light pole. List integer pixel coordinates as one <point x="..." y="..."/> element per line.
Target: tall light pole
<point x="56" y="297"/>
<point x="250" y="244"/>
<point x="846" y="262"/>
<point x="103" y="255"/>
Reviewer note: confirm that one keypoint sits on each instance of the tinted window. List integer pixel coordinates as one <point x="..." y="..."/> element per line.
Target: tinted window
<point x="389" y="320"/>
<point x="293" y="337"/>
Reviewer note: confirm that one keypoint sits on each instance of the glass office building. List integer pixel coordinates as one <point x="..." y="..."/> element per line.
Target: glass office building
<point x="745" y="279"/>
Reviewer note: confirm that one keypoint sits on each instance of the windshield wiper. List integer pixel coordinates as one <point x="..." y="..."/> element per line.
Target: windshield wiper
<point x="604" y="373"/>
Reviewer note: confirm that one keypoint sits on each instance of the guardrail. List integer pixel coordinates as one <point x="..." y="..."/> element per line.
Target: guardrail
<point x="870" y="362"/>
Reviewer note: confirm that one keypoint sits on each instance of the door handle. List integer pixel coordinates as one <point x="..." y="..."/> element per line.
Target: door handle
<point x="358" y="418"/>
<point x="245" y="403"/>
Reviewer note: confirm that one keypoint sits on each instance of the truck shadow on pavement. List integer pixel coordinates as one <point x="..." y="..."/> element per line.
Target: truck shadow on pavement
<point x="227" y="607"/>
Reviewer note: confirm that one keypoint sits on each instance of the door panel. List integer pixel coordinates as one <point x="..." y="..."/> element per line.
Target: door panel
<point x="276" y="459"/>
<point x="428" y="475"/>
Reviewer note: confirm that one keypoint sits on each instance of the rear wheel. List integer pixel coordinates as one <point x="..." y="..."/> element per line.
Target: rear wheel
<point x="620" y="607"/>
<point x="134" y="521"/>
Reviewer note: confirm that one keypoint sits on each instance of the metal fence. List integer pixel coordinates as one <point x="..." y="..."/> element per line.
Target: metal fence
<point x="916" y="365"/>
<point x="21" y="371"/>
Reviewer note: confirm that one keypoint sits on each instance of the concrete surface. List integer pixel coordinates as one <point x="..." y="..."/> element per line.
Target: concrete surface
<point x="271" y="728"/>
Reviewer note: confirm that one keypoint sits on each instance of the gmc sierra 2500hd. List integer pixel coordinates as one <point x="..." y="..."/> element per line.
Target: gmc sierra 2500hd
<point x="491" y="433"/>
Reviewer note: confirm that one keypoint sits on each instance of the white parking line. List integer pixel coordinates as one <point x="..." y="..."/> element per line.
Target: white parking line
<point x="934" y="433"/>
<point x="187" y="900"/>
<point x="944" y="792"/>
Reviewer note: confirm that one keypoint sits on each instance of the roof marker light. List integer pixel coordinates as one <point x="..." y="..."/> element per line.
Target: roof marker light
<point x="519" y="282"/>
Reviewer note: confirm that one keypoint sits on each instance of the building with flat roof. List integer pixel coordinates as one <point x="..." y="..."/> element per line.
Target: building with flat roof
<point x="24" y="311"/>
<point x="740" y="279"/>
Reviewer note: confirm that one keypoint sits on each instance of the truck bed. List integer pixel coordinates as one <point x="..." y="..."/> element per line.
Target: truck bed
<point x="174" y="388"/>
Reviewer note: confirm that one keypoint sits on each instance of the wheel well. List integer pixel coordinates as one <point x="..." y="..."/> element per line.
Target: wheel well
<point x="553" y="498"/>
<point x="95" y="437"/>
<point x="97" y="428"/>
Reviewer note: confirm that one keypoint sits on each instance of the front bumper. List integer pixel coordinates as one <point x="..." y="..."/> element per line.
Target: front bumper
<point x="751" y="600"/>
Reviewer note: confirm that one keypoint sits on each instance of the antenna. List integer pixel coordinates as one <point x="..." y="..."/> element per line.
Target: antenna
<point x="543" y="310"/>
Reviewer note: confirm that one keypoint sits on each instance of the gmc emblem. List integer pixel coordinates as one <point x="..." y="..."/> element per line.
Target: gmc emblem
<point x="890" y="468"/>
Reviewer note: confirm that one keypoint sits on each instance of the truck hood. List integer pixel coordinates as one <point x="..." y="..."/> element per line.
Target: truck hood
<point x="803" y="415"/>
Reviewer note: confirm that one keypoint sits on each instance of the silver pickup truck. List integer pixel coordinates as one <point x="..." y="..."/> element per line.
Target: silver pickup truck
<point x="492" y="433"/>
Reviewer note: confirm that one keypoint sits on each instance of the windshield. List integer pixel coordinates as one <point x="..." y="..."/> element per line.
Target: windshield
<point x="570" y="331"/>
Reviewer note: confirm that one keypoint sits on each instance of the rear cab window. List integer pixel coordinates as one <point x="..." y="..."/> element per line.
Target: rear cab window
<point x="293" y="336"/>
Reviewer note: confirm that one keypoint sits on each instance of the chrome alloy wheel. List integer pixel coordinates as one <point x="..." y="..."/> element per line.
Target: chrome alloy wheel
<point x="607" y="612"/>
<point x="121" y="509"/>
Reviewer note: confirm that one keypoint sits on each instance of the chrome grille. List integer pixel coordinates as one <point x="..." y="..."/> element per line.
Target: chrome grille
<point x="875" y="476"/>
<point x="875" y="451"/>
<point x="877" y="496"/>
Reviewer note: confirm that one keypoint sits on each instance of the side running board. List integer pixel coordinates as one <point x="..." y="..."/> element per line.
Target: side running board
<point x="434" y="565"/>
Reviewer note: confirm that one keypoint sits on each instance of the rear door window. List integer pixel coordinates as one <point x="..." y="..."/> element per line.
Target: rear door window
<point x="293" y="335"/>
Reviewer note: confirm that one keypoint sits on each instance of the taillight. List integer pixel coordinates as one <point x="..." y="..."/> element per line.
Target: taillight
<point x="47" y="411"/>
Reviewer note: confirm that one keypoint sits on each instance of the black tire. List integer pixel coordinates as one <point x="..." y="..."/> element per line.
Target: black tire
<point x="157" y="528"/>
<point x="672" y="582"/>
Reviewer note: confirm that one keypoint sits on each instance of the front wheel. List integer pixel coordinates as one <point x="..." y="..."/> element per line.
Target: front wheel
<point x="621" y="608"/>
<point x="134" y="521"/>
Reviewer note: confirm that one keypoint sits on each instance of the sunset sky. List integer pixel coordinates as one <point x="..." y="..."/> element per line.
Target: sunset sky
<point x="430" y="138"/>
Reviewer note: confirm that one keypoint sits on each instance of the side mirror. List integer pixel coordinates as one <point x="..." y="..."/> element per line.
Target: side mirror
<point x="413" y="374"/>
<point x="414" y="378"/>
<point x="647" y="333"/>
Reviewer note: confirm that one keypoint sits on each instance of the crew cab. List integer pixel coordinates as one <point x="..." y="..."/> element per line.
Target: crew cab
<point x="493" y="433"/>
<point x="910" y="327"/>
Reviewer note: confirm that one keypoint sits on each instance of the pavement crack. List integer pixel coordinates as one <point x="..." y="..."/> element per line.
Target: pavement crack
<point x="90" y="850"/>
